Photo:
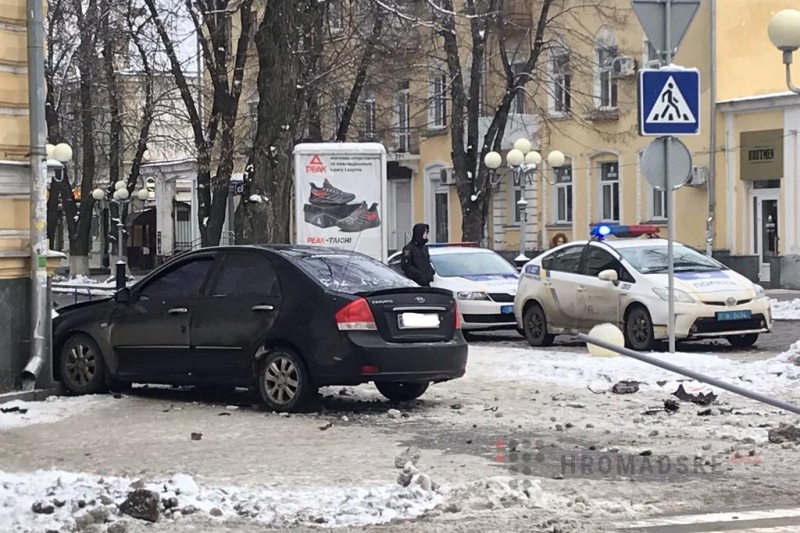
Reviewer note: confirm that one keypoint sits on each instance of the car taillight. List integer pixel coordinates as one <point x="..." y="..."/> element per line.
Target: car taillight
<point x="456" y="320"/>
<point x="355" y="316"/>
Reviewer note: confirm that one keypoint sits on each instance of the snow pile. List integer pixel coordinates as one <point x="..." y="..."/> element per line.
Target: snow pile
<point x="65" y="498"/>
<point x="77" y="280"/>
<point x="785" y="309"/>
<point x="580" y="370"/>
<point x="18" y="413"/>
<point x="505" y="492"/>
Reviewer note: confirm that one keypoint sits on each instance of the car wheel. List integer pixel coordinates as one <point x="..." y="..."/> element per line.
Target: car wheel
<point x="743" y="341"/>
<point x="401" y="392"/>
<point x="82" y="366"/>
<point x="535" y="327"/>
<point x="639" y="329"/>
<point x="283" y="381"/>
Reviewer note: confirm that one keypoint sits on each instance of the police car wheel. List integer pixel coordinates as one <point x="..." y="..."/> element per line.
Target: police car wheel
<point x="743" y="341"/>
<point x="638" y="329"/>
<point x="535" y="326"/>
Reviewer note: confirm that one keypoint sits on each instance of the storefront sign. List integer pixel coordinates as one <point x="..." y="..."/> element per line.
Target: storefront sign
<point x="761" y="155"/>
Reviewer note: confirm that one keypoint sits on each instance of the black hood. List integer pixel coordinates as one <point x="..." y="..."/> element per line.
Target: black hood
<point x="417" y="232"/>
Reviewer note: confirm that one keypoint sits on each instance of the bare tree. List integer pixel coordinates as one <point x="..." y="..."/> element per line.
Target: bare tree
<point x="212" y="21"/>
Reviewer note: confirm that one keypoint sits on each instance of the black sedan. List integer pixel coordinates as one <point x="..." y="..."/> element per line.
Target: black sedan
<point x="283" y="319"/>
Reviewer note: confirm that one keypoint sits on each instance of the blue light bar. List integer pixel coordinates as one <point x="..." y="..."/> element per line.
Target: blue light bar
<point x="624" y="232"/>
<point x="445" y="244"/>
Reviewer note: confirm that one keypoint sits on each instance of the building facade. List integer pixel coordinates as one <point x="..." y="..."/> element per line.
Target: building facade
<point x="14" y="196"/>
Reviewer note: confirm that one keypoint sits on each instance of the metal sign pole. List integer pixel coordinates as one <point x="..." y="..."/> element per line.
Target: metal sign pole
<point x="670" y="192"/>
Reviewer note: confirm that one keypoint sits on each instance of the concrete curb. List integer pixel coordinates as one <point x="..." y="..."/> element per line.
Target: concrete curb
<point x="37" y="395"/>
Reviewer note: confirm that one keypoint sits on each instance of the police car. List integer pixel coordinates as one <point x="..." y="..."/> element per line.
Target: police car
<point x="482" y="281"/>
<point x="621" y="276"/>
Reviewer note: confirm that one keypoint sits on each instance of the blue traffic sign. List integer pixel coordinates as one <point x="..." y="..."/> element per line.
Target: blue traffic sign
<point x="669" y="102"/>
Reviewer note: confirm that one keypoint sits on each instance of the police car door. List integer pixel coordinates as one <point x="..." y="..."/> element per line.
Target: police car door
<point x="599" y="301"/>
<point x="561" y="279"/>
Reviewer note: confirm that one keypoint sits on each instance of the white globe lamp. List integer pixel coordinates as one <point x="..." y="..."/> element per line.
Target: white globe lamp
<point x="523" y="145"/>
<point x="556" y="159"/>
<point x="120" y="185"/>
<point x="784" y="30"/>
<point x="493" y="160"/>
<point x="98" y="194"/>
<point x="49" y="149"/>
<point x="121" y="194"/>
<point x="143" y="194"/>
<point x="62" y="152"/>
<point x="533" y="158"/>
<point x="608" y="333"/>
<point x="515" y="157"/>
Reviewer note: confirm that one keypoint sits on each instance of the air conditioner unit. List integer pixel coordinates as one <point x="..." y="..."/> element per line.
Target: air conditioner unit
<point x="447" y="176"/>
<point x="623" y="67"/>
<point x="698" y="177"/>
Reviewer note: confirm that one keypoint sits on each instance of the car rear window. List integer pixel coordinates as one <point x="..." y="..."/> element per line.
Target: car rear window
<point x="352" y="274"/>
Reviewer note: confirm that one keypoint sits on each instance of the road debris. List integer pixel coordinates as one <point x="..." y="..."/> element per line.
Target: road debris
<point x="626" y="387"/>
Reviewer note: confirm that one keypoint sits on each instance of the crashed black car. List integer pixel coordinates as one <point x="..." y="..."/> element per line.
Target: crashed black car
<point x="284" y="320"/>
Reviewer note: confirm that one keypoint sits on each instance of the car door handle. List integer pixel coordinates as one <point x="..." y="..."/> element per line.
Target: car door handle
<point x="581" y="289"/>
<point x="262" y="308"/>
<point x="178" y="311"/>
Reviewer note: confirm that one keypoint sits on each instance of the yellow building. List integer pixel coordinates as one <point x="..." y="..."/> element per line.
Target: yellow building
<point x="14" y="195"/>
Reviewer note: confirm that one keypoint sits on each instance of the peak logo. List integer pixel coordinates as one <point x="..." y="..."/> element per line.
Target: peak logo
<point x="315" y="165"/>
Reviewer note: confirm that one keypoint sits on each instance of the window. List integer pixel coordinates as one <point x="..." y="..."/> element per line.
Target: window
<point x="563" y="193"/>
<point x="598" y="260"/>
<point x="609" y="192"/>
<point x="519" y="71"/>
<point x="369" y="117"/>
<point x="562" y="80"/>
<point x="605" y="92"/>
<point x="402" y="111"/>
<point x="566" y="260"/>
<point x="515" y="210"/>
<point x="653" y="259"/>
<point x="437" y="107"/>
<point x="183" y="281"/>
<point x="656" y="199"/>
<point x="651" y="56"/>
<point x="336" y="16"/>
<point x="246" y="273"/>
<point x="351" y="274"/>
<point x="472" y="264"/>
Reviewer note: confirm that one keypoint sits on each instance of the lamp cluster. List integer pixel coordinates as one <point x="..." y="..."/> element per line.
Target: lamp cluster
<point x="121" y="193"/>
<point x="523" y="154"/>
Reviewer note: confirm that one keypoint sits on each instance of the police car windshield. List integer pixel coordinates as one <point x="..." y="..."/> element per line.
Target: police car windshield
<point x="653" y="260"/>
<point x="471" y="264"/>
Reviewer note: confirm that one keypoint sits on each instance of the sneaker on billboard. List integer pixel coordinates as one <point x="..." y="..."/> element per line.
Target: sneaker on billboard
<point x="329" y="195"/>
<point x="361" y="219"/>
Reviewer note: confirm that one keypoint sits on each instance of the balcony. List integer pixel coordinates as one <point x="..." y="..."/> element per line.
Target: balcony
<point x="516" y="126"/>
<point x="517" y="13"/>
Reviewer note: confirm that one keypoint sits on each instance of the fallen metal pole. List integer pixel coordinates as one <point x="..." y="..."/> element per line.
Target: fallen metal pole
<point x="692" y="374"/>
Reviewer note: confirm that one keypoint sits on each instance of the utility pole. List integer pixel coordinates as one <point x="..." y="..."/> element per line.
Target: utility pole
<point x="39" y="313"/>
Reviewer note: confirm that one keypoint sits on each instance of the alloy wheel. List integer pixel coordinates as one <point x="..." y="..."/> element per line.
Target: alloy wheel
<point x="81" y="365"/>
<point x="281" y="380"/>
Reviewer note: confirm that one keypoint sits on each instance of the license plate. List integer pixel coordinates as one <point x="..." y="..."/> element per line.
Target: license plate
<point x="418" y="321"/>
<point x="733" y="315"/>
<point x="507" y="309"/>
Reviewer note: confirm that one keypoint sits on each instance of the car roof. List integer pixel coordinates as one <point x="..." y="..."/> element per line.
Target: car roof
<point x="293" y="250"/>
<point x="636" y="243"/>
<point x="445" y="250"/>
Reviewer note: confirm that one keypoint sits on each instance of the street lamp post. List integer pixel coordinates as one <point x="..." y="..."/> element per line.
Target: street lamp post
<point x="784" y="32"/>
<point x="523" y="162"/>
<point x="61" y="152"/>
<point x="120" y="198"/>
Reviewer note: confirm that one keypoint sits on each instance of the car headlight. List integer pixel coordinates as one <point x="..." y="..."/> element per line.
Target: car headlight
<point x="759" y="291"/>
<point x="473" y="296"/>
<point x="680" y="296"/>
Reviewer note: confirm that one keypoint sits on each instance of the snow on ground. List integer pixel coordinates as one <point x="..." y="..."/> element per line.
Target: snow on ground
<point x="73" y="495"/>
<point x="19" y="413"/>
<point x="579" y="370"/>
<point x="785" y="309"/>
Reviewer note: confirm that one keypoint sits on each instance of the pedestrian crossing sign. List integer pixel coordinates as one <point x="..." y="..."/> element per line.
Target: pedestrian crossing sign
<point x="669" y="102"/>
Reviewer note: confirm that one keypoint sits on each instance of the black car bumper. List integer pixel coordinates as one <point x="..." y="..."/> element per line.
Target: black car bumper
<point x="370" y="358"/>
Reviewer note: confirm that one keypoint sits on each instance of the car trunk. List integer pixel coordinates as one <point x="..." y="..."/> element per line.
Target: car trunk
<point x="413" y="314"/>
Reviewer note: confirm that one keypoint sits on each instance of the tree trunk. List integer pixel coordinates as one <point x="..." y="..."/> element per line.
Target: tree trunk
<point x="264" y="215"/>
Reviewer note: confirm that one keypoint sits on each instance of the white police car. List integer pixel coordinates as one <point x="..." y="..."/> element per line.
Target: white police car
<point x="624" y="280"/>
<point x="483" y="282"/>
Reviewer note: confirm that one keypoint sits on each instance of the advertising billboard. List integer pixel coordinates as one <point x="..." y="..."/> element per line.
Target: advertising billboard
<point x="340" y="196"/>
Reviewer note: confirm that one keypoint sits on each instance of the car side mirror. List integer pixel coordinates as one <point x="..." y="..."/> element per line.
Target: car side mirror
<point x="608" y="275"/>
<point x="123" y="296"/>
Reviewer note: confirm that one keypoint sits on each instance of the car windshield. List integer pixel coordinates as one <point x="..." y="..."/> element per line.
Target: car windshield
<point x="471" y="264"/>
<point x="352" y="274"/>
<point x="653" y="260"/>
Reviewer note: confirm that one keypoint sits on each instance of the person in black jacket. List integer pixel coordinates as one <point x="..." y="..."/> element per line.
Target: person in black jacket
<point x="416" y="261"/>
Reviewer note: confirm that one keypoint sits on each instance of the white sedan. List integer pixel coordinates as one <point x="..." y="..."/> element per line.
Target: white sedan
<point x="482" y="281"/>
<point x="624" y="281"/>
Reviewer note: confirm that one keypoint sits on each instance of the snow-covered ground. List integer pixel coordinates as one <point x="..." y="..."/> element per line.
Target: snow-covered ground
<point x="785" y="309"/>
<point x="336" y="468"/>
